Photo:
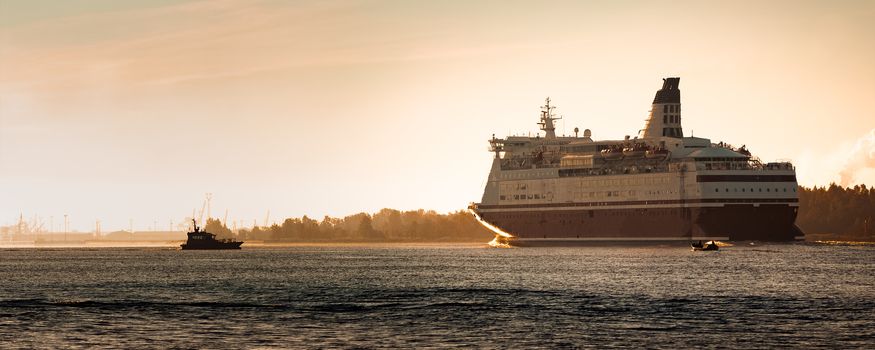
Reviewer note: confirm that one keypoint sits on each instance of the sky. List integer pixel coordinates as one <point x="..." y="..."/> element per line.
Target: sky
<point x="130" y="111"/>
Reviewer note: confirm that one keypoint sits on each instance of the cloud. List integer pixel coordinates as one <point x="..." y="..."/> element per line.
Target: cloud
<point x="217" y="39"/>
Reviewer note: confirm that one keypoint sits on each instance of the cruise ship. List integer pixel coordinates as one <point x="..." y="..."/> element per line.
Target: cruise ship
<point x="658" y="186"/>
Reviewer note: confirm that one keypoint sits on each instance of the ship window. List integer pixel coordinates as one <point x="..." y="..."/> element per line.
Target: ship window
<point x="767" y="190"/>
<point x="761" y="189"/>
<point x="742" y="190"/>
<point x="716" y="190"/>
<point x="726" y="189"/>
<point x="785" y="189"/>
<point x="751" y="190"/>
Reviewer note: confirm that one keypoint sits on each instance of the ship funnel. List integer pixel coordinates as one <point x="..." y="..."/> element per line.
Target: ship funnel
<point x="665" y="114"/>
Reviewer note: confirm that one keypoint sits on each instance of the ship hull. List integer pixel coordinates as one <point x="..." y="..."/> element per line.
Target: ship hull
<point x="212" y="246"/>
<point x="564" y="226"/>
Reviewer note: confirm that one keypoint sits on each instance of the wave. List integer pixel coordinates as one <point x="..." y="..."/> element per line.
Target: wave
<point x="845" y="243"/>
<point x="118" y="304"/>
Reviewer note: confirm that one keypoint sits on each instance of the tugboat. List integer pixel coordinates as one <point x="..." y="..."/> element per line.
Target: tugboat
<point x="203" y="240"/>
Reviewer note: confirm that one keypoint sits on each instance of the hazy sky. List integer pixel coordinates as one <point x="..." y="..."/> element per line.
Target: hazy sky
<point x="113" y="110"/>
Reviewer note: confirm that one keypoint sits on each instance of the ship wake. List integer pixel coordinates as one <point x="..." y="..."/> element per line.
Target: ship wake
<point x="502" y="238"/>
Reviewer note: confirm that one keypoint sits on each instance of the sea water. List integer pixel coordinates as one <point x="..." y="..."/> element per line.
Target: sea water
<point x="748" y="296"/>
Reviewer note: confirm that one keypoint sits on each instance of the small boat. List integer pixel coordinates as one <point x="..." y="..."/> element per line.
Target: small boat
<point x="203" y="240"/>
<point x="706" y="246"/>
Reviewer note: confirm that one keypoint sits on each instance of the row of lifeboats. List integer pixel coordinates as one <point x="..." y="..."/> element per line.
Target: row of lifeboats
<point x="636" y="150"/>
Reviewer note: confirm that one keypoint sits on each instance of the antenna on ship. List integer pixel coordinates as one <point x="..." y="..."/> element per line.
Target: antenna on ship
<point x="209" y="209"/>
<point x="547" y="118"/>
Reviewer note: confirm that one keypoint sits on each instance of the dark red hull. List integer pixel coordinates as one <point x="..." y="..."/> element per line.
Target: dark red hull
<point x="215" y="245"/>
<point x="736" y="222"/>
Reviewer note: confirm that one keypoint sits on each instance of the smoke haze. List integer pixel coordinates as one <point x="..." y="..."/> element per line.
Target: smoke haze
<point x="862" y="157"/>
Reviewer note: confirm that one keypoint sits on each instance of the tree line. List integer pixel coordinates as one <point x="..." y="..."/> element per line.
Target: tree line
<point x="828" y="212"/>
<point x="836" y="212"/>
<point x="387" y="225"/>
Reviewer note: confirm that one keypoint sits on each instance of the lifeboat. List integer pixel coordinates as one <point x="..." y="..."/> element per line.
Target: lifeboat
<point x="612" y="154"/>
<point x="635" y="151"/>
<point x="656" y="153"/>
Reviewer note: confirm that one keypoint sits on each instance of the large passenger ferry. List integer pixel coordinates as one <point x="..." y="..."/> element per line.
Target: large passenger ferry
<point x="658" y="186"/>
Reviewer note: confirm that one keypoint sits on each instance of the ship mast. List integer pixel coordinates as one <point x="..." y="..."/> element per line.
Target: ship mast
<point x="547" y="118"/>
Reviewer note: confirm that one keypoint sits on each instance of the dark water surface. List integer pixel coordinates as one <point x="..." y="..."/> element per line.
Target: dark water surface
<point x="762" y="296"/>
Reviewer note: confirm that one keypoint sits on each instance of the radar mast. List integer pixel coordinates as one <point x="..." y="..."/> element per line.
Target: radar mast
<point x="547" y="118"/>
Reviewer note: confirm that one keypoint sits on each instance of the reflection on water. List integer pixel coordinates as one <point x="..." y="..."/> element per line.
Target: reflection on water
<point x="769" y="295"/>
<point x="847" y="243"/>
